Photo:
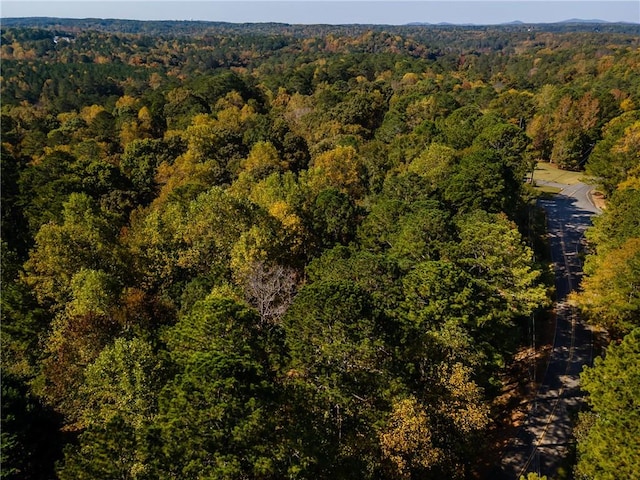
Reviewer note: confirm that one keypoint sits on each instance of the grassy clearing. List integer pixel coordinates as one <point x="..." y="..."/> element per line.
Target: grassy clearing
<point x="545" y="189"/>
<point x="550" y="173"/>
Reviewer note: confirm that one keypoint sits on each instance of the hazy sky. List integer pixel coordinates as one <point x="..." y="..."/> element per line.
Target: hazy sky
<point x="332" y="11"/>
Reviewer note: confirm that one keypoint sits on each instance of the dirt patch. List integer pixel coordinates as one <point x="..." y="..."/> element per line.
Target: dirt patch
<point x="598" y="199"/>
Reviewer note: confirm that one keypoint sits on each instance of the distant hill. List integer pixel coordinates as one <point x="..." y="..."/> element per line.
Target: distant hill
<point x="571" y="21"/>
<point x="582" y="20"/>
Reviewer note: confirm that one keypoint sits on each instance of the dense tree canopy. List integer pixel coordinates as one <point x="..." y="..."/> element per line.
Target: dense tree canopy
<point x="610" y="299"/>
<point x="608" y="438"/>
<point x="275" y="251"/>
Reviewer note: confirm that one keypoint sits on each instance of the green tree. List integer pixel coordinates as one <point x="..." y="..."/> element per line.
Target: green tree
<point x="421" y="235"/>
<point x="459" y="128"/>
<point x="181" y="106"/>
<point x="174" y="242"/>
<point x="618" y="222"/>
<point x="378" y="274"/>
<point x="23" y="320"/>
<point x="215" y="419"/>
<point x="435" y="164"/>
<point x="610" y="296"/>
<point x="85" y="239"/>
<point x="365" y="109"/>
<point x="492" y="250"/>
<point x="334" y="218"/>
<point x="215" y="416"/>
<point x="13" y="226"/>
<point x="335" y="321"/>
<point x="483" y="181"/>
<point x="438" y="291"/>
<point x="405" y="219"/>
<point x="510" y="142"/>
<point x="335" y="375"/>
<point x="214" y="324"/>
<point x="616" y="154"/>
<point x="46" y="186"/>
<point x="105" y="451"/>
<point x="515" y="106"/>
<point x="609" y="448"/>
<point x="140" y="161"/>
<point x="122" y="383"/>
<point x="463" y="308"/>
<point x="92" y="292"/>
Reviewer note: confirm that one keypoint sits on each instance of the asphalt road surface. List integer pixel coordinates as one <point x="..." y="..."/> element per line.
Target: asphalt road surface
<point x="543" y="441"/>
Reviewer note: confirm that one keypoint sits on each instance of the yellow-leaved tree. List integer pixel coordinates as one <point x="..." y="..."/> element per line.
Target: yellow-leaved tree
<point x="340" y="168"/>
<point x="406" y="441"/>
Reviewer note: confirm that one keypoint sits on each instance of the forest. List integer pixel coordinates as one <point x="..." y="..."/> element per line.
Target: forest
<point x="269" y="251"/>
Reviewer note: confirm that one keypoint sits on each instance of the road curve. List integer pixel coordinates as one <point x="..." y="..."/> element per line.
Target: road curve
<point x="543" y="441"/>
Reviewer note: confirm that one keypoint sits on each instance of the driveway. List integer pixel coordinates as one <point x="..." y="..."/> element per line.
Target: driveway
<point x="544" y="440"/>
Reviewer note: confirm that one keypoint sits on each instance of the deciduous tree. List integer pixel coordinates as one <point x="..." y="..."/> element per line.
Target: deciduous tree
<point x="609" y="448"/>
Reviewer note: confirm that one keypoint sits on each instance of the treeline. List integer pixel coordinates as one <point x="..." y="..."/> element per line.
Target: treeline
<point x="199" y="28"/>
<point x="610" y="299"/>
<point x="263" y="255"/>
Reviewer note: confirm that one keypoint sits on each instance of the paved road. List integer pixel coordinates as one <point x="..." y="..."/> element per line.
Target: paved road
<point x="543" y="440"/>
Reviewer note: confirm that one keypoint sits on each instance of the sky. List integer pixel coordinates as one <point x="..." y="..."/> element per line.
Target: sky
<point x="479" y="12"/>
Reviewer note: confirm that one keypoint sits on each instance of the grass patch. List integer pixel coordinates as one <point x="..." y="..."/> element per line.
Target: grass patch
<point x="550" y="173"/>
<point x="545" y="189"/>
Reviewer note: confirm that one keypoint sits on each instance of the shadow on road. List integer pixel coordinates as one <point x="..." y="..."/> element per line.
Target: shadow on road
<point x="544" y="440"/>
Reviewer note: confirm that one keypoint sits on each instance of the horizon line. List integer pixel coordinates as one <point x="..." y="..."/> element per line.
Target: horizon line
<point x="569" y="21"/>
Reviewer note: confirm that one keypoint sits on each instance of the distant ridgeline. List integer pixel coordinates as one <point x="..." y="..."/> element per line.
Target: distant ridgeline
<point x="191" y="27"/>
